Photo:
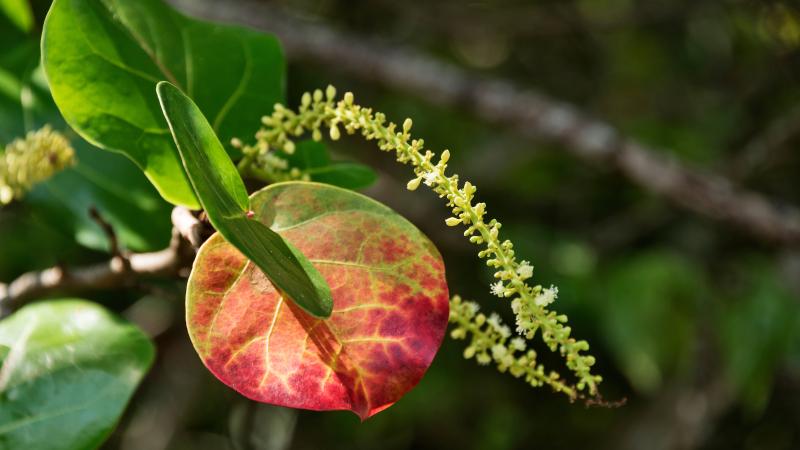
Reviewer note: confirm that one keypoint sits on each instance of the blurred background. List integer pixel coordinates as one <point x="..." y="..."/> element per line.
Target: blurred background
<point x="694" y="317"/>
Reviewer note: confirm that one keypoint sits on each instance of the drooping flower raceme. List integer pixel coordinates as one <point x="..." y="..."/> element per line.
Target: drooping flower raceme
<point x="29" y="160"/>
<point x="490" y="341"/>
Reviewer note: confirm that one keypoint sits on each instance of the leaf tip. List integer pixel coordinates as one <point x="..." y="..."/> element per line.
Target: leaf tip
<point x="164" y="89"/>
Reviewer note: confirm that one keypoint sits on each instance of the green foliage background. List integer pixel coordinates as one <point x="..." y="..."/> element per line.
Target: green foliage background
<point x="677" y="308"/>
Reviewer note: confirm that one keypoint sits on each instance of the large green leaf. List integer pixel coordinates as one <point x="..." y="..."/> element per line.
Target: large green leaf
<point x="222" y="193"/>
<point x="67" y="370"/>
<point x="103" y="59"/>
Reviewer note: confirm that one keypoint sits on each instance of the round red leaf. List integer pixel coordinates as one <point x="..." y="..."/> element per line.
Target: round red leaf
<point x="390" y="305"/>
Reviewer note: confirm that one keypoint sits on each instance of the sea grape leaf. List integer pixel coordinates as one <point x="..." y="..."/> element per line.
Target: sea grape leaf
<point x="390" y="305"/>
<point x="313" y="159"/>
<point x="68" y="371"/>
<point x="103" y="59"/>
<point x="223" y="195"/>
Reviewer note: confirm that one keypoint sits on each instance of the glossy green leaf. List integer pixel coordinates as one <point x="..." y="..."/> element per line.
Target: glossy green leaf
<point x="313" y="159"/>
<point x="103" y="59"/>
<point x="67" y="370"/>
<point x="222" y="193"/>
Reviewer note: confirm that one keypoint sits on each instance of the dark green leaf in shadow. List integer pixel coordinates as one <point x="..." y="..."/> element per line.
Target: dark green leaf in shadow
<point x="648" y="315"/>
<point x="756" y="324"/>
<point x="346" y="175"/>
<point x="119" y="191"/>
<point x="314" y="160"/>
<point x="32" y="238"/>
<point x="308" y="155"/>
<point x="222" y="193"/>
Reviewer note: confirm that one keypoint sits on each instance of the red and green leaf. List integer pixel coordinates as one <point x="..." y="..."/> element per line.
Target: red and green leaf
<point x="390" y="303"/>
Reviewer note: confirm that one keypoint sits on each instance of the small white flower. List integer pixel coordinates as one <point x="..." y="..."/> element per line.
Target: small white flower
<point x="498" y="289"/>
<point x="525" y="270"/>
<point x="430" y="178"/>
<point x="494" y="321"/>
<point x="499" y="351"/>
<point x="547" y="296"/>
<point x="518" y="343"/>
<point x="505" y="362"/>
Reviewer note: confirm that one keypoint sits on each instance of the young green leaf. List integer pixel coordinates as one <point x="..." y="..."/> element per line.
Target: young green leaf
<point x="104" y="58"/>
<point x="67" y="371"/>
<point x="222" y="193"/>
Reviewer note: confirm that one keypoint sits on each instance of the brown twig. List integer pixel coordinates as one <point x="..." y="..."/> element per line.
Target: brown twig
<point x="117" y="271"/>
<point x="113" y="242"/>
<point x="530" y="113"/>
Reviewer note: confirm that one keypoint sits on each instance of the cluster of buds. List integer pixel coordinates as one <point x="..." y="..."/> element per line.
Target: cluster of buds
<point x="262" y="160"/>
<point x="29" y="160"/>
<point x="490" y="340"/>
<point x="319" y="111"/>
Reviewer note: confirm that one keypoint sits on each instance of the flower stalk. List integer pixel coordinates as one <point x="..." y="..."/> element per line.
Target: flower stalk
<point x="320" y="111"/>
